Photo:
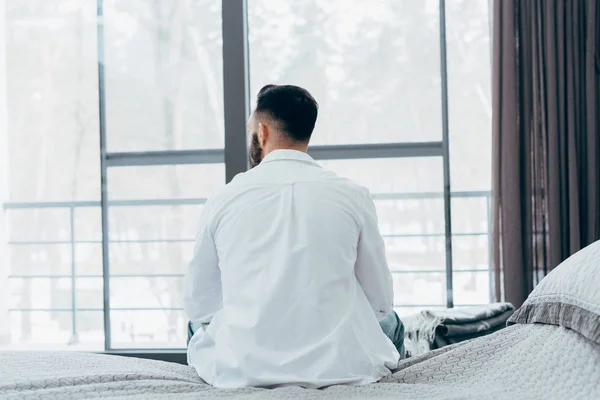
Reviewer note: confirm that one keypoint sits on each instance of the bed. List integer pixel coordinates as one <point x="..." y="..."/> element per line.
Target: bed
<point x="551" y="350"/>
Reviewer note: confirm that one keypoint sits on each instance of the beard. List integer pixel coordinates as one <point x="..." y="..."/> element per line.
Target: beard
<point x="256" y="153"/>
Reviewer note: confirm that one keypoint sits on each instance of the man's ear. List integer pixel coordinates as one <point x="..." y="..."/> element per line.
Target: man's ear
<point x="263" y="134"/>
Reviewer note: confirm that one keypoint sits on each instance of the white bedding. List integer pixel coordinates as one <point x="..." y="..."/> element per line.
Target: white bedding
<point x="520" y="362"/>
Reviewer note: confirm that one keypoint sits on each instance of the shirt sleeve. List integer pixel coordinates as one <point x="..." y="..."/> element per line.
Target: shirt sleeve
<point x="203" y="292"/>
<point x="371" y="268"/>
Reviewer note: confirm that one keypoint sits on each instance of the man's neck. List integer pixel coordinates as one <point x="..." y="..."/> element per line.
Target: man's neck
<point x="297" y="147"/>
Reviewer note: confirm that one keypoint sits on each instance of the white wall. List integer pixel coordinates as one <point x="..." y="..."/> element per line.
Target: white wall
<point x="4" y="320"/>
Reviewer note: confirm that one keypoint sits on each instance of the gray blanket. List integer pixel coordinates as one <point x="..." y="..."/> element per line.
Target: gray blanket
<point x="431" y="330"/>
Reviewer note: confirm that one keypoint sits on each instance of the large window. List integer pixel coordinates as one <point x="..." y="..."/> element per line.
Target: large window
<point x="151" y="97"/>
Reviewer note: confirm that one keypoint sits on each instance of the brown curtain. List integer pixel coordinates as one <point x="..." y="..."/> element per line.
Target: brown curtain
<point x="546" y="146"/>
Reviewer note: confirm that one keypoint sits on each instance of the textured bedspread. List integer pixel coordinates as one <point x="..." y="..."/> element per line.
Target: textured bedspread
<point x="522" y="361"/>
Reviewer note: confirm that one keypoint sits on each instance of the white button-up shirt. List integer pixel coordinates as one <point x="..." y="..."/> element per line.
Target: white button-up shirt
<point x="288" y="281"/>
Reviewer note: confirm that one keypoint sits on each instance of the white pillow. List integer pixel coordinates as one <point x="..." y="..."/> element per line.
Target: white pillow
<point x="569" y="296"/>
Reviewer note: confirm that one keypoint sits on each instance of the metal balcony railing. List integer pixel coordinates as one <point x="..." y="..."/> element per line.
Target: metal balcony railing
<point x="73" y="241"/>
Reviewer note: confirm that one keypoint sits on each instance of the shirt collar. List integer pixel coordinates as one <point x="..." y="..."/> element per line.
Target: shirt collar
<point x="287" y="155"/>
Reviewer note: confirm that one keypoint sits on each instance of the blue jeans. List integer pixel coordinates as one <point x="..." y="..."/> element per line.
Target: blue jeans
<point x="390" y="325"/>
<point x="394" y="329"/>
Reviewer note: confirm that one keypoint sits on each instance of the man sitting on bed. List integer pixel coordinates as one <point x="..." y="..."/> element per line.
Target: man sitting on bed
<point x="289" y="283"/>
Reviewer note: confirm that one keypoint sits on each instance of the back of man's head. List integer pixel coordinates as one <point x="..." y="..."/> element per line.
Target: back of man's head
<point x="291" y="108"/>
